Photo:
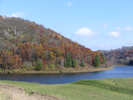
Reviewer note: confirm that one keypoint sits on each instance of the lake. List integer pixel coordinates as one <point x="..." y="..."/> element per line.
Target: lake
<point x="62" y="78"/>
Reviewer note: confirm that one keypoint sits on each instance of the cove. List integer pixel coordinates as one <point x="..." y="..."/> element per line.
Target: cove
<point x="62" y="78"/>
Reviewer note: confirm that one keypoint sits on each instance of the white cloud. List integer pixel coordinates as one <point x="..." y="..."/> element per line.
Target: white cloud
<point x="69" y="4"/>
<point x="118" y="28"/>
<point x="84" y="32"/>
<point x="128" y="28"/>
<point x="103" y="45"/>
<point x="17" y="14"/>
<point x="104" y="25"/>
<point x="114" y="34"/>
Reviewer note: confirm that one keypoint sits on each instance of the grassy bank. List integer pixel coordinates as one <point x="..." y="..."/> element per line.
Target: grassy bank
<point x="100" y="89"/>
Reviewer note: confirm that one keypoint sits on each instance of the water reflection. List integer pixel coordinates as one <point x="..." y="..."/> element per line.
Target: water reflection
<point x="117" y="72"/>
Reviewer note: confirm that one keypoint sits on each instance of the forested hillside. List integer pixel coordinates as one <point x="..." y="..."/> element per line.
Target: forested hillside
<point x="121" y="56"/>
<point x="25" y="44"/>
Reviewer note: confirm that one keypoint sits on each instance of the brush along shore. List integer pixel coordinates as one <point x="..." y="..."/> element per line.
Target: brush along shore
<point x="78" y="69"/>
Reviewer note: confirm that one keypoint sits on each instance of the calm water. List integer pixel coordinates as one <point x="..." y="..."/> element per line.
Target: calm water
<point x="117" y="72"/>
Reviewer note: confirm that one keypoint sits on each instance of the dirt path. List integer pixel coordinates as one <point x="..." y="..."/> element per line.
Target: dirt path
<point x="10" y="92"/>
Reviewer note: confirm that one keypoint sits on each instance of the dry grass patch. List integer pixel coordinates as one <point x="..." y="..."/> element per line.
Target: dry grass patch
<point x="10" y="92"/>
<point x="4" y="96"/>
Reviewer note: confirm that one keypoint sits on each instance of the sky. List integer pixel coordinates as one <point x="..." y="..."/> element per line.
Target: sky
<point x="96" y="24"/>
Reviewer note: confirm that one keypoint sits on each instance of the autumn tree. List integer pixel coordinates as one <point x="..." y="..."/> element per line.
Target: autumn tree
<point x="44" y="62"/>
<point x="40" y="51"/>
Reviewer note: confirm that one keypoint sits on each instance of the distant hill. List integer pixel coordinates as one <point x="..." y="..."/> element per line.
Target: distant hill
<point x="23" y="42"/>
<point x="121" y="56"/>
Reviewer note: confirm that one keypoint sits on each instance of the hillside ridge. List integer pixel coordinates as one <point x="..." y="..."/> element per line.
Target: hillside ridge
<point x="25" y="44"/>
<point x="121" y="56"/>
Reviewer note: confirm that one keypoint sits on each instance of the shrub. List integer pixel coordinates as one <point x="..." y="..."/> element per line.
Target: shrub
<point x="46" y="67"/>
<point x="52" y="66"/>
<point x="23" y="69"/>
<point x="15" y="71"/>
<point x="77" y="68"/>
<point x="0" y="70"/>
<point x="11" y="71"/>
<point x="60" y="71"/>
<point x="32" y="67"/>
<point x="57" y="65"/>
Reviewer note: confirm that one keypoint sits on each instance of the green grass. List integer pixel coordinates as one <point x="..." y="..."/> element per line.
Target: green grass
<point x="100" y="89"/>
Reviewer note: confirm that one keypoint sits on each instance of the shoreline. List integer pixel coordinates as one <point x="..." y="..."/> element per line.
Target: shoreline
<point x="66" y="71"/>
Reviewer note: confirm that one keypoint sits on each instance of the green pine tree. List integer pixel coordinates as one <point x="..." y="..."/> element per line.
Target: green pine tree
<point x="68" y="60"/>
<point x="97" y="61"/>
<point x="82" y="63"/>
<point x="38" y="65"/>
<point x="103" y="57"/>
<point x="74" y="63"/>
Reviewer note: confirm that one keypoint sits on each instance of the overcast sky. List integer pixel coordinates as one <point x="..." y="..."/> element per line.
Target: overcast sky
<point x="96" y="24"/>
